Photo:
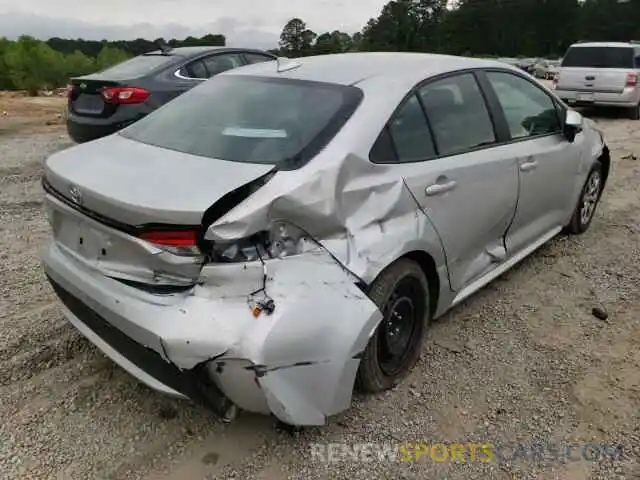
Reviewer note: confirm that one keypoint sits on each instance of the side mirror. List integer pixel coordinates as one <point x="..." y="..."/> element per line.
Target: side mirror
<point x="572" y="124"/>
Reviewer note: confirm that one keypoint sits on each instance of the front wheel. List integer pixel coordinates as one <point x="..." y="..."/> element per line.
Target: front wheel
<point x="588" y="201"/>
<point x="402" y="294"/>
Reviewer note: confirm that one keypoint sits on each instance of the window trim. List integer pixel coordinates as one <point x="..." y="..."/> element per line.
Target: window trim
<point x="436" y="149"/>
<point x="500" y="110"/>
<point x="491" y="110"/>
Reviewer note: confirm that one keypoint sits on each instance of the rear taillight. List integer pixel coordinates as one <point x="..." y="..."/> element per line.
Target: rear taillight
<point x="632" y="79"/>
<point x="125" y="95"/>
<point x="179" y="242"/>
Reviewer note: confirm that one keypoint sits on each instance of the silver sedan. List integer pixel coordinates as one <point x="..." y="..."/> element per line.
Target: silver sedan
<point x="286" y="231"/>
<point x="547" y="69"/>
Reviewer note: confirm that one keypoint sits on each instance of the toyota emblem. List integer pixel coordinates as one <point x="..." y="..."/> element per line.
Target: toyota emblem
<point x="75" y="194"/>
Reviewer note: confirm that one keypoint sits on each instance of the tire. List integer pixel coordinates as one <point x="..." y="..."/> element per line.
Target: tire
<point x="403" y="289"/>
<point x="581" y="218"/>
<point x="634" y="113"/>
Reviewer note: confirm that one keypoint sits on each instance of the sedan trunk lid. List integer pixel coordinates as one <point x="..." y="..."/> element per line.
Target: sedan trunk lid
<point x="85" y="96"/>
<point x="137" y="184"/>
<point x="102" y="192"/>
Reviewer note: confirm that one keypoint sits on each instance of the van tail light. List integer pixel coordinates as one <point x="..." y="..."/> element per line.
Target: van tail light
<point x="69" y="90"/>
<point x="632" y="79"/>
<point x="125" y="95"/>
<point x="178" y="242"/>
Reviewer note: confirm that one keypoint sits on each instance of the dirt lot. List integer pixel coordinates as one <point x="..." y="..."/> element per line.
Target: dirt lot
<point x="523" y="361"/>
<point x="22" y="114"/>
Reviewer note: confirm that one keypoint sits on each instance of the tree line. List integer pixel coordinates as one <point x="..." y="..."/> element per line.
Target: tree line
<point x="530" y="28"/>
<point x="510" y="28"/>
<point x="32" y="65"/>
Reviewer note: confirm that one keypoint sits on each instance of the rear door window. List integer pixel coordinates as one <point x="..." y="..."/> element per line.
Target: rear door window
<point x="209" y="66"/>
<point x="257" y="58"/>
<point x="410" y="134"/>
<point x="599" y="57"/>
<point x="457" y="113"/>
<point x="195" y="69"/>
<point x="220" y="63"/>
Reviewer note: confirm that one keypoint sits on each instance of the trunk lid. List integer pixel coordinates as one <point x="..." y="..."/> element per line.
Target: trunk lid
<point x="136" y="184"/>
<point x="121" y="184"/>
<point x="85" y="97"/>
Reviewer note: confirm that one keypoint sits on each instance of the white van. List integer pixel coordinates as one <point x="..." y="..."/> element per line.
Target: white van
<point x="601" y="74"/>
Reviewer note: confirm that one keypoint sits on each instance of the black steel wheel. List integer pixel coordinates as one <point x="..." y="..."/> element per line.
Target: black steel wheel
<point x="402" y="294"/>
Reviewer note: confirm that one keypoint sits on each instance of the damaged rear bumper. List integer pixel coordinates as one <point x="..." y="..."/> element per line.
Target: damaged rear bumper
<point x="298" y="363"/>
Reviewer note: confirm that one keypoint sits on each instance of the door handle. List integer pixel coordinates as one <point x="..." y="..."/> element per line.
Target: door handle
<point x="529" y="165"/>
<point x="438" y="188"/>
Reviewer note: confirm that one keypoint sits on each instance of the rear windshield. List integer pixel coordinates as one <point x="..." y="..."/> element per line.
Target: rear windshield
<point x="264" y="120"/>
<point x="136" y="67"/>
<point x="599" y="57"/>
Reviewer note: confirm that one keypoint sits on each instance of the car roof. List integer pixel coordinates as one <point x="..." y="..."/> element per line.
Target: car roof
<point x="199" y="50"/>
<point x="603" y="44"/>
<point x="356" y="68"/>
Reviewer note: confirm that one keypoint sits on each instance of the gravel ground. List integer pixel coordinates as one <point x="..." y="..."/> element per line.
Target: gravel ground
<point x="524" y="361"/>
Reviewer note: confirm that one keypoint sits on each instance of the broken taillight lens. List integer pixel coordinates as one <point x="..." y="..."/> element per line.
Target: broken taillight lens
<point x="281" y="240"/>
<point x="179" y="242"/>
<point x="125" y="95"/>
<point x="286" y="239"/>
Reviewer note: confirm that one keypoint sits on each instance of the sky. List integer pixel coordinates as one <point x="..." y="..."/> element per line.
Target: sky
<point x="251" y="23"/>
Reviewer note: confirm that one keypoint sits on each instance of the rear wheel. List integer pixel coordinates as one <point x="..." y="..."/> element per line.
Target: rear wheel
<point x="634" y="113"/>
<point x="402" y="294"/>
<point x="588" y="201"/>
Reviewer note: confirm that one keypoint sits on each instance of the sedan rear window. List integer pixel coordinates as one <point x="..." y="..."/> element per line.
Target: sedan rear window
<point x="264" y="120"/>
<point x="136" y="67"/>
<point x="599" y="57"/>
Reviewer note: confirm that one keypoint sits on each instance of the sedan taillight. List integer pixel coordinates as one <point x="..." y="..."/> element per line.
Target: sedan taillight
<point x="178" y="242"/>
<point x="125" y="95"/>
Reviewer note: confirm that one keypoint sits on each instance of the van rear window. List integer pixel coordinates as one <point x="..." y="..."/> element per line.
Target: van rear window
<point x="599" y="57"/>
